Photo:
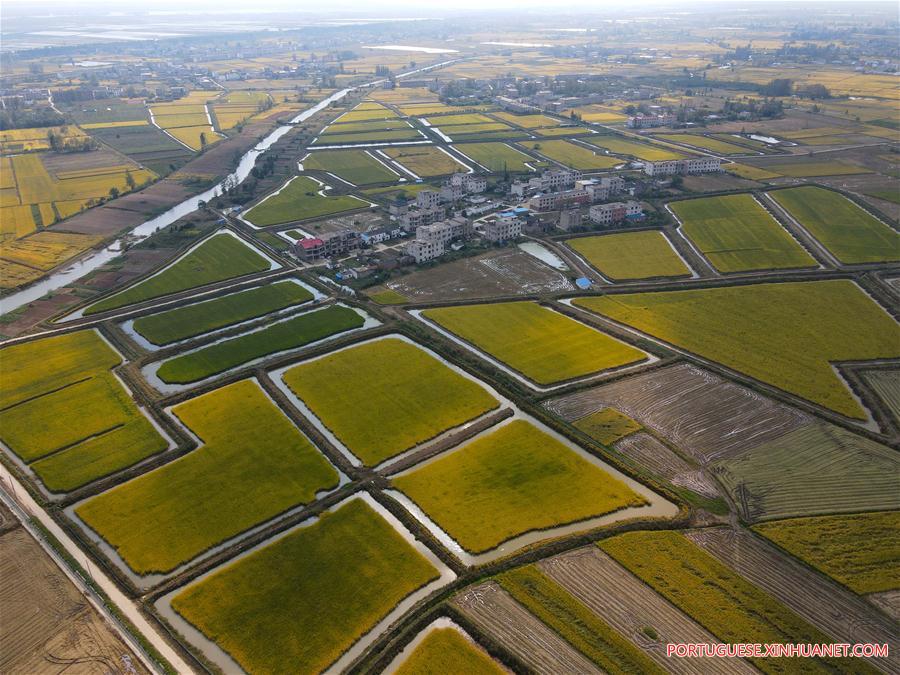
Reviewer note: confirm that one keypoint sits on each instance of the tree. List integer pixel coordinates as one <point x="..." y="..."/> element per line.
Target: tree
<point x="113" y="192"/>
<point x="129" y="180"/>
<point x="202" y="139"/>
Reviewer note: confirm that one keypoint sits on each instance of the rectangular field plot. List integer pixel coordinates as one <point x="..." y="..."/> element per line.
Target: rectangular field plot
<point x="366" y="112"/>
<point x="203" y="317"/>
<point x="886" y="384"/>
<point x="310" y="595"/>
<point x="166" y="517"/>
<point x="858" y="550"/>
<point x="631" y="255"/>
<point x="425" y="161"/>
<point x="541" y="344"/>
<point x="76" y="423"/>
<point x="334" y="137"/>
<point x="354" y="166"/>
<point x="383" y="397"/>
<point x="528" y="121"/>
<point x="852" y="234"/>
<point x="583" y="629"/>
<point x="737" y="234"/>
<point x="750" y="172"/>
<point x="645" y="151"/>
<point x="717" y="598"/>
<point x="447" y="650"/>
<point x="300" y="198"/>
<point x="283" y="335"/>
<point x="221" y="256"/>
<point x="785" y="334"/>
<point x="816" y="469"/>
<point x="802" y="169"/>
<point x="706" y="143"/>
<point x="498" y="157"/>
<point x="574" y="156"/>
<point x="492" y="489"/>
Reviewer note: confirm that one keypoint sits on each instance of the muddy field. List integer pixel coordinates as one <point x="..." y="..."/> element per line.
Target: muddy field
<point x="102" y="158"/>
<point x="503" y="272"/>
<point x="717" y="182"/>
<point x="702" y="414"/>
<point x="630" y="606"/>
<point x="651" y="453"/>
<point x="507" y="622"/>
<point x="48" y="627"/>
<point x="822" y="602"/>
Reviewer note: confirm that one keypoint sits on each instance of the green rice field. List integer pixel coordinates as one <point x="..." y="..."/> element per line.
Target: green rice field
<point x="300" y="198"/>
<point x="737" y="234"/>
<point x="573" y="155"/>
<point x="218" y="258"/>
<point x="806" y="169"/>
<point x="497" y="157"/>
<point x="607" y="425"/>
<point x="645" y="151"/>
<point x="446" y="650"/>
<point x="631" y="255"/>
<point x="852" y="234"/>
<point x="172" y="514"/>
<point x="715" y="145"/>
<point x="493" y="488"/>
<point x="543" y="345"/>
<point x="203" y="317"/>
<point x="425" y="161"/>
<point x="383" y="397"/>
<point x="354" y="166"/>
<point x="267" y="609"/>
<point x="292" y="333"/>
<point x="784" y="334"/>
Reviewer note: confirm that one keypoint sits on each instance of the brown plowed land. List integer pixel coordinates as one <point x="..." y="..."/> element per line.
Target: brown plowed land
<point x="653" y="454"/>
<point x="629" y="605"/>
<point x="48" y="627"/>
<point x="888" y="602"/>
<point x="701" y="413"/>
<point x="821" y="601"/>
<point x="496" y="613"/>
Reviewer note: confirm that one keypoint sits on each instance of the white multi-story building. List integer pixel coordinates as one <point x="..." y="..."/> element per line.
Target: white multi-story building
<point x="556" y="200"/>
<point x="616" y="212"/>
<point x="601" y="189"/>
<point x="647" y="121"/>
<point x="423" y="251"/>
<point x="692" y="165"/>
<point x="469" y="182"/>
<point x="505" y="227"/>
<point x="415" y="217"/>
<point x="427" y="199"/>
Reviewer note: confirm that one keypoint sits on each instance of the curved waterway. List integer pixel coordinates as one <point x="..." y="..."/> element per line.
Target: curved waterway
<point x="94" y="259"/>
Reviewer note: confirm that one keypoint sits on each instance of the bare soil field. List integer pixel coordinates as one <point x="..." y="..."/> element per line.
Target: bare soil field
<point x="48" y="627"/>
<point x="504" y="272"/>
<point x="630" y="606"/>
<point x="651" y="453"/>
<point x="506" y="621"/>
<point x="717" y="182"/>
<point x="888" y="602"/>
<point x="95" y="159"/>
<point x="358" y="222"/>
<point x="701" y="413"/>
<point x="819" y="600"/>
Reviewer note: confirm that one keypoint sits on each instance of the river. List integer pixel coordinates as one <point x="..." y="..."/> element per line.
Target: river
<point x="94" y="259"/>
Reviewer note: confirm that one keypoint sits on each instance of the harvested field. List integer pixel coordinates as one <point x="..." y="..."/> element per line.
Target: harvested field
<point x="785" y="334"/>
<point x="279" y="336"/>
<point x="172" y="514"/>
<point x="574" y="156"/>
<point x="386" y="396"/>
<point x="405" y="133"/>
<point x="717" y="598"/>
<point x="852" y="234"/>
<point x="631" y="607"/>
<point x="498" y="157"/>
<point x="448" y="650"/>
<point x="803" y="169"/>
<point x="702" y="414"/>
<point x="503" y="272"/>
<point x="543" y="345"/>
<point x="816" y="469"/>
<point x="221" y="256"/>
<point x="750" y="172"/>
<point x="489" y="490"/>
<point x="555" y="132"/>
<point x="510" y="624"/>
<point x="647" y="451"/>
<point x="583" y="629"/>
<point x="631" y="255"/>
<point x="715" y="145"/>
<point x="839" y="614"/>
<point x="528" y="121"/>
<point x="388" y="297"/>
<point x="886" y="384"/>
<point x="48" y="626"/>
<point x="203" y="317"/>
<point x="737" y="234"/>
<point x="354" y="166"/>
<point x="266" y="609"/>
<point x="300" y="198"/>
<point x="364" y="114"/>
<point x="425" y="161"/>
<point x="606" y="425"/>
<point x="861" y="550"/>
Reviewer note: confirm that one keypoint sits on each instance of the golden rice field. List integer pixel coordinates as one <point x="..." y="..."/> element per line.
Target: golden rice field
<point x="784" y="334"/>
<point x="497" y="487"/>
<point x="384" y="397"/>
<point x="29" y="140"/>
<point x="425" y="161"/>
<point x="447" y="650"/>
<point x="631" y="255"/>
<point x="541" y="344"/>
<point x="24" y="260"/>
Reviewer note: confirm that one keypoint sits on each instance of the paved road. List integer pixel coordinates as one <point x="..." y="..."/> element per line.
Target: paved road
<point x="12" y="491"/>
